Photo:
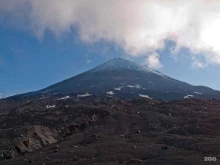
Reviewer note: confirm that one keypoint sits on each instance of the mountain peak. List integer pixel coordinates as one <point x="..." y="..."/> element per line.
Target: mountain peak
<point x="119" y="63"/>
<point x="120" y="77"/>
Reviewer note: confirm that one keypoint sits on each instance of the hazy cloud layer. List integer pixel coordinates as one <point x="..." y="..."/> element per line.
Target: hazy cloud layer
<point x="138" y="26"/>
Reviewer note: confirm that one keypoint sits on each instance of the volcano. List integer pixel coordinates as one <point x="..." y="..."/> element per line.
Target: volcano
<point x="100" y="117"/>
<point x="124" y="78"/>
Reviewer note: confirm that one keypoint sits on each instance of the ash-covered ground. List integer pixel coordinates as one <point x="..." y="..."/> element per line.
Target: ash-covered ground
<point x="110" y="131"/>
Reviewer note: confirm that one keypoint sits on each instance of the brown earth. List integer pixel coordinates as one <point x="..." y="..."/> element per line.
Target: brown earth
<point x="89" y="131"/>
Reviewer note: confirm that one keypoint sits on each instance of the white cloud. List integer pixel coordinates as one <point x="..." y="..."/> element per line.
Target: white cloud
<point x="88" y="61"/>
<point x="197" y="64"/>
<point x="139" y="27"/>
<point x="153" y="61"/>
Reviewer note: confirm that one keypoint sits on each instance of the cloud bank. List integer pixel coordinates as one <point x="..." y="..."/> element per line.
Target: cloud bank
<point x="138" y="26"/>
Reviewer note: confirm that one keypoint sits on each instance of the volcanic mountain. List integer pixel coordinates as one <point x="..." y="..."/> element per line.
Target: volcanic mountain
<point x="66" y="124"/>
<point x="124" y="78"/>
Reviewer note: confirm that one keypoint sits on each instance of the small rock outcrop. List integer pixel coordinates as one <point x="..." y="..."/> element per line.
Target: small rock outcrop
<point x="33" y="137"/>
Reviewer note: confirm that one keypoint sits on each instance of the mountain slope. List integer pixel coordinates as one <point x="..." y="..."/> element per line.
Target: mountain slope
<point x="124" y="78"/>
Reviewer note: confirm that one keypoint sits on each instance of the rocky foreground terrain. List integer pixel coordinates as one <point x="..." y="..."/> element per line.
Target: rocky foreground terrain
<point x="111" y="131"/>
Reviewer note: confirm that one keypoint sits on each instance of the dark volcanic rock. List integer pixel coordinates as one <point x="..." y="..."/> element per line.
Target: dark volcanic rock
<point x="34" y="137"/>
<point x="164" y="148"/>
<point x="134" y="161"/>
<point x="90" y="139"/>
<point x="123" y="131"/>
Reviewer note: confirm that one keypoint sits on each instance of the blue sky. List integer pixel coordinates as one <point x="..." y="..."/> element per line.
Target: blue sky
<point x="28" y="64"/>
<point x="43" y="43"/>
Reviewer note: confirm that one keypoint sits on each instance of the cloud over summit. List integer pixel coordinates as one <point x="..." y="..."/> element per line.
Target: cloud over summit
<point x="138" y="26"/>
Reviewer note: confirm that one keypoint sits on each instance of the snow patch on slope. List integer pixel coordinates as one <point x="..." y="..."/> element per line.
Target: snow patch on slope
<point x="136" y="86"/>
<point x="42" y="98"/>
<point x="50" y="106"/>
<point x="198" y="93"/>
<point x="119" y="88"/>
<point x="188" y="96"/>
<point x="145" y="96"/>
<point x="110" y="93"/>
<point x="84" y="95"/>
<point x="64" y="98"/>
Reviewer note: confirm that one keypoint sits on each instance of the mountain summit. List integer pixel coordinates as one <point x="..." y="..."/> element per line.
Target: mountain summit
<point x="124" y="64"/>
<point x="124" y="78"/>
<point x="119" y="63"/>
